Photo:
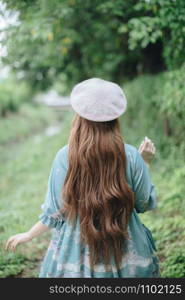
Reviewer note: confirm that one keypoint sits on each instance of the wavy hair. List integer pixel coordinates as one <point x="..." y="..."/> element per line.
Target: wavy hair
<point x="95" y="188"/>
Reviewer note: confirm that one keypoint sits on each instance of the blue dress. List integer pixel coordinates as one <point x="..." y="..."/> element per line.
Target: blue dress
<point x="67" y="257"/>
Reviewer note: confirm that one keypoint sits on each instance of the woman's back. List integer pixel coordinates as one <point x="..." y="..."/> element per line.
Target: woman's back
<point x="67" y="256"/>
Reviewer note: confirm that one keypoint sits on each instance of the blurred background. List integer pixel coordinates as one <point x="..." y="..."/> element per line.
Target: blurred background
<point x="46" y="48"/>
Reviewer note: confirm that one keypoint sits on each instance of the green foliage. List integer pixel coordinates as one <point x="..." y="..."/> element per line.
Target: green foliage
<point x="162" y="99"/>
<point x="68" y="41"/>
<point x="160" y="20"/>
<point x="174" y="265"/>
<point x="39" y="117"/>
<point x="173" y="100"/>
<point x="167" y="223"/>
<point x="143" y="31"/>
<point x="173" y="103"/>
<point x="149" y="104"/>
<point x="24" y="170"/>
<point x="11" y="265"/>
<point x="13" y="93"/>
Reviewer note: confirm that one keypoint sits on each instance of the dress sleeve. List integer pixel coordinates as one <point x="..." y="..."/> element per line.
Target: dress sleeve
<point x="51" y="216"/>
<point x="144" y="189"/>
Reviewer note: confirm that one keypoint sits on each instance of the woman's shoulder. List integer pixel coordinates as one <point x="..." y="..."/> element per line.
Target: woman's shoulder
<point x="63" y="150"/>
<point x="61" y="155"/>
<point x="132" y="153"/>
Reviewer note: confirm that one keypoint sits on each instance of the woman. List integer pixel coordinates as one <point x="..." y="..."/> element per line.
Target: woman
<point x="97" y="187"/>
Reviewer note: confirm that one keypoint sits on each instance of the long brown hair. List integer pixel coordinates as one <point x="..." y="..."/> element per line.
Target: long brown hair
<point x="96" y="189"/>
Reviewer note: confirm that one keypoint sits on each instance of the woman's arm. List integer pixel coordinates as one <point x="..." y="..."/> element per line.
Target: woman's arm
<point x="144" y="189"/>
<point x="50" y="217"/>
<point x="25" y="237"/>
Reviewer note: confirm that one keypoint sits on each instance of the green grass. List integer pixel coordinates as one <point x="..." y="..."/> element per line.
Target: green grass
<point x="25" y="166"/>
<point x="23" y="186"/>
<point x="30" y="119"/>
<point x="167" y="222"/>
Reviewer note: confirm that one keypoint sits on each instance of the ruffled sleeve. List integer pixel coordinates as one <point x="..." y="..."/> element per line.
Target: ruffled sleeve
<point x="144" y="189"/>
<point x="51" y="216"/>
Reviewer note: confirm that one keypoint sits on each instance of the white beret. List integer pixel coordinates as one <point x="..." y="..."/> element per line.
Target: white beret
<point x="98" y="100"/>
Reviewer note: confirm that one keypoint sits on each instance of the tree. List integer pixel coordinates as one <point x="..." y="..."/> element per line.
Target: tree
<point x="71" y="40"/>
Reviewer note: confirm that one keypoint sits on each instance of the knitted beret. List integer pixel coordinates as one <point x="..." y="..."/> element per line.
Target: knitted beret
<point x="98" y="100"/>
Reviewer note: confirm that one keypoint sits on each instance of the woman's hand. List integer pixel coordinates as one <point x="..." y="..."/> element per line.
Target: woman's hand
<point x="25" y="237"/>
<point x="16" y="240"/>
<point x="147" y="150"/>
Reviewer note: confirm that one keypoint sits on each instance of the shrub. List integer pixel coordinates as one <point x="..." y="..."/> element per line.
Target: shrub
<point x="13" y="93"/>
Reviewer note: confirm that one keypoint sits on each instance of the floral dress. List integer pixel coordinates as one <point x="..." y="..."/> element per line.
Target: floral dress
<point x="67" y="256"/>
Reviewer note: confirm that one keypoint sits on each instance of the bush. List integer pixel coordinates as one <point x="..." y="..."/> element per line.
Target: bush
<point x="13" y="93"/>
<point x="174" y="265"/>
<point x="160" y="103"/>
<point x="173" y="103"/>
<point x="11" y="264"/>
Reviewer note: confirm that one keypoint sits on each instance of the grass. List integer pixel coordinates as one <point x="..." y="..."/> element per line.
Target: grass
<point x="167" y="222"/>
<point x="23" y="185"/>
<point x="25" y="166"/>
